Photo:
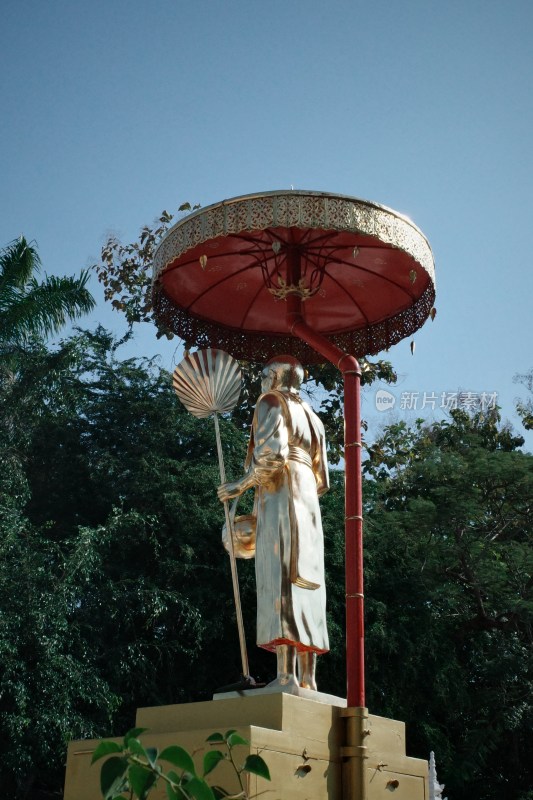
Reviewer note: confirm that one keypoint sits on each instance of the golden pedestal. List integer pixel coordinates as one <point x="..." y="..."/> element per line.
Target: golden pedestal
<point x="314" y="750"/>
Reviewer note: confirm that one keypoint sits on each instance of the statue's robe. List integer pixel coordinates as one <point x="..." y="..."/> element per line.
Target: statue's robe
<point x="287" y="460"/>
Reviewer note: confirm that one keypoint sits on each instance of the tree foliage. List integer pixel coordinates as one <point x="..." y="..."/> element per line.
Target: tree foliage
<point x="116" y="593"/>
<point x="449" y="522"/>
<point x="525" y="407"/>
<point x="110" y="526"/>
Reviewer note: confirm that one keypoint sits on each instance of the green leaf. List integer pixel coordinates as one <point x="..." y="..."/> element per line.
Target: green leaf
<point x="179" y="757"/>
<point x="235" y="738"/>
<point x="199" y="789"/>
<point x="104" y="749"/>
<point x="228" y="734"/>
<point x="257" y="766"/>
<point x="215" y="737"/>
<point x="211" y="759"/>
<point x="113" y="776"/>
<point x="141" y="780"/>
<point x="133" y="734"/>
<point x="136" y="748"/>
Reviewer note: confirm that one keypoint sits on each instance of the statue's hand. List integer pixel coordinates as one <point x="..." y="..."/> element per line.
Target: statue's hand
<point x="229" y="490"/>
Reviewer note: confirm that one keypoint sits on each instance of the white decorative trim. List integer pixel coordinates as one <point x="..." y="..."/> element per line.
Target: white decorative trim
<point x="293" y="209"/>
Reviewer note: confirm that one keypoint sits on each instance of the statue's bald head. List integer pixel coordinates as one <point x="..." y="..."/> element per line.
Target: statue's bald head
<point x="284" y="373"/>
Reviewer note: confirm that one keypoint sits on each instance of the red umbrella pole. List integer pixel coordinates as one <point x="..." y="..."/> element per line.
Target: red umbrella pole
<point x="348" y="365"/>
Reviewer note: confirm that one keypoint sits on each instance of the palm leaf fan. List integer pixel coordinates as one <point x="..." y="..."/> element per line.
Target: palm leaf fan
<point x="208" y="382"/>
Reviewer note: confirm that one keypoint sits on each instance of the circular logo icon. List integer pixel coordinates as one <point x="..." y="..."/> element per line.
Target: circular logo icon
<point x="385" y="400"/>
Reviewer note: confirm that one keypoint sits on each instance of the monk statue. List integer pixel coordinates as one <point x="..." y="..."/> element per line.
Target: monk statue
<point x="287" y="466"/>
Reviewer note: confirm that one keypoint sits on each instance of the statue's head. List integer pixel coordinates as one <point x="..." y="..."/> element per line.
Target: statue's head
<point x="282" y="372"/>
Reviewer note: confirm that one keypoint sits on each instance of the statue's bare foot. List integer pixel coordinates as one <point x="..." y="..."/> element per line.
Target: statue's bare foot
<point x="307" y="670"/>
<point x="286" y="658"/>
<point x="285" y="681"/>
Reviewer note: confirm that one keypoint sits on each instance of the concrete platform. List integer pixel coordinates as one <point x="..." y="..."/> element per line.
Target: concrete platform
<point x="315" y="750"/>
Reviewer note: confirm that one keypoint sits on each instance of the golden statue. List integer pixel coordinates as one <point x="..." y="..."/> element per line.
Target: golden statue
<point x="286" y="464"/>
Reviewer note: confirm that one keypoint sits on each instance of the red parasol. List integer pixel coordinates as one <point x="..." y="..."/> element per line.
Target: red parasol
<point x="366" y="274"/>
<point x="317" y="275"/>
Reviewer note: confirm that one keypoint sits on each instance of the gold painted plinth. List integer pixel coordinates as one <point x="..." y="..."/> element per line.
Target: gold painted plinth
<point x="314" y="751"/>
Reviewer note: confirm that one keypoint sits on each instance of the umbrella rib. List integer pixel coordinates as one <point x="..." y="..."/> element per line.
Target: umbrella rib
<point x="249" y="238"/>
<point x="376" y="274"/>
<point x="317" y="251"/>
<point x="307" y="234"/>
<point x="411" y="297"/>
<point x="303" y="241"/>
<point x="356" y="304"/>
<point x="260" y="251"/>
<point x="217" y="285"/>
<point x="320" y="238"/>
<point x="183" y="264"/>
<point x="259" y="242"/>
<point x="256" y="295"/>
<point x="333" y="247"/>
<point x="251" y="303"/>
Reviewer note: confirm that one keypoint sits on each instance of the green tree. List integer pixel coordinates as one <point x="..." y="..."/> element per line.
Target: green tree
<point x="449" y="608"/>
<point x="125" y="271"/>
<point x="29" y="307"/>
<point x="525" y="407"/>
<point x="114" y="585"/>
<point x="50" y="687"/>
<point x="41" y="687"/>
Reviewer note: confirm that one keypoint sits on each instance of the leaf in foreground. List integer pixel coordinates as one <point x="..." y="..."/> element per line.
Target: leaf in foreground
<point x="136" y="748"/>
<point x="215" y="737"/>
<point x="257" y="766"/>
<point x="105" y="749"/>
<point x="179" y="757"/>
<point x="199" y="789"/>
<point x="134" y="733"/>
<point x="141" y="780"/>
<point x="235" y="738"/>
<point x="113" y="776"/>
<point x="211" y="759"/>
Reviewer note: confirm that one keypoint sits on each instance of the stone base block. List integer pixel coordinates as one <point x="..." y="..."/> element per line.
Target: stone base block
<point x="303" y="742"/>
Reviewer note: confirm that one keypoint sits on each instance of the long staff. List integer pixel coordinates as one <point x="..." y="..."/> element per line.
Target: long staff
<point x="208" y="383"/>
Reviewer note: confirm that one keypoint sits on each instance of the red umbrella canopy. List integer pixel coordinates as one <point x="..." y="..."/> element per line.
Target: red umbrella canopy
<point x="364" y="273"/>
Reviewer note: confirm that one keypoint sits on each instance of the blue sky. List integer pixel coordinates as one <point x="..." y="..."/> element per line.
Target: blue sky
<point x="115" y="110"/>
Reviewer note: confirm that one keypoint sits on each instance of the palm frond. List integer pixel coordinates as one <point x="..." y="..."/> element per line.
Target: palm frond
<point x="19" y="261"/>
<point x="43" y="308"/>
